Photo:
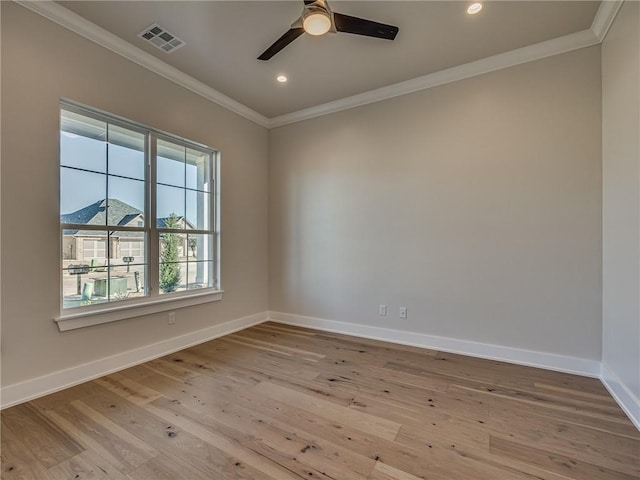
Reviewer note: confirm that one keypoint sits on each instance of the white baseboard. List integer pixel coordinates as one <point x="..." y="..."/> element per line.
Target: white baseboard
<point x="40" y="386"/>
<point x="549" y="361"/>
<point x="629" y="403"/>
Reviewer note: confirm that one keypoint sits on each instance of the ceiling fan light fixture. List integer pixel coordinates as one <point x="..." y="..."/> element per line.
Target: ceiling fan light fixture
<point x="316" y="22"/>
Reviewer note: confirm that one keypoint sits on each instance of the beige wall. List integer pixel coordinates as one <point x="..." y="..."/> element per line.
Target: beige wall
<point x="621" y="199"/>
<point x="42" y="62"/>
<point x="476" y="204"/>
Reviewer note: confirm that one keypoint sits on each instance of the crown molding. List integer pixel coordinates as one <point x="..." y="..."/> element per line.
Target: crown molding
<point x="605" y="16"/>
<point x="585" y="38"/>
<point x="567" y="43"/>
<point x="77" y="24"/>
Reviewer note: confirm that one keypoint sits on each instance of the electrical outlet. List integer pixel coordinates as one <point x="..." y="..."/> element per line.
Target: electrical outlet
<point x="172" y="318"/>
<point x="382" y="310"/>
<point x="403" y="312"/>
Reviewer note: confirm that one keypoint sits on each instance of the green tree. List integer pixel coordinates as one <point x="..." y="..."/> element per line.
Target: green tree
<point x="169" y="269"/>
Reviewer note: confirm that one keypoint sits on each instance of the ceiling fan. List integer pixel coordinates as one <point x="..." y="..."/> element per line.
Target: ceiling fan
<point x="318" y="19"/>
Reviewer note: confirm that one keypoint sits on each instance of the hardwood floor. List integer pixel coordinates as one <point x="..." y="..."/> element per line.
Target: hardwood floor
<point x="281" y="403"/>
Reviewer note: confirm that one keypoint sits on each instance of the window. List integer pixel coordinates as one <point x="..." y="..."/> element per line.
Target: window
<point x="137" y="214"/>
<point x="183" y="217"/>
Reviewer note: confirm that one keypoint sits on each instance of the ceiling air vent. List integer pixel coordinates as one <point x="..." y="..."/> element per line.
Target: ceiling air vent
<point x="159" y="37"/>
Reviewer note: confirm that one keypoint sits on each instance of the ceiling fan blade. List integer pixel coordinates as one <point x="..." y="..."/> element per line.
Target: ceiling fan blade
<point x="282" y="42"/>
<point x="361" y="26"/>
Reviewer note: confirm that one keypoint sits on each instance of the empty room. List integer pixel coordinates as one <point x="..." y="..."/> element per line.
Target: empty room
<point x="332" y="240"/>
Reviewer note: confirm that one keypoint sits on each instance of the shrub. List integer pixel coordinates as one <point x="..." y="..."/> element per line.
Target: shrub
<point x="169" y="269"/>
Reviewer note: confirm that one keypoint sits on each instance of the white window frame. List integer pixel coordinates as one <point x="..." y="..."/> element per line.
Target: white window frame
<point x="153" y="301"/>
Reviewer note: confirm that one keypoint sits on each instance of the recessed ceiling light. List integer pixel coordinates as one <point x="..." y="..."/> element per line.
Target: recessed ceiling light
<point x="281" y="79"/>
<point x="474" y="8"/>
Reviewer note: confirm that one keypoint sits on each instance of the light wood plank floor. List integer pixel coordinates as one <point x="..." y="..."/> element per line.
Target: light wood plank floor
<point x="283" y="403"/>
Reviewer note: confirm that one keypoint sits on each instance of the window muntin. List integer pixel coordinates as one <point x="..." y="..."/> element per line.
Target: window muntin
<point x="106" y="198"/>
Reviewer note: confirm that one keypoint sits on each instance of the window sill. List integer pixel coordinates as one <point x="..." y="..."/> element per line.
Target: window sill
<point x="71" y="321"/>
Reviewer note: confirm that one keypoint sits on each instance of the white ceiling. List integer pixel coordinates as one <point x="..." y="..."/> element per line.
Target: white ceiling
<point x="223" y="39"/>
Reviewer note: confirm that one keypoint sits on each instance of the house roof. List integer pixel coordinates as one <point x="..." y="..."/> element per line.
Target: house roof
<point x="118" y="212"/>
<point x="128" y="218"/>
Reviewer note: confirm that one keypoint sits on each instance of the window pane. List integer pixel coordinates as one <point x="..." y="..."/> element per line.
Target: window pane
<point x="170" y="201"/>
<point x="198" y="170"/>
<point x="198" y="210"/>
<point x="90" y="277"/>
<point x="126" y="274"/>
<point x="126" y="282"/>
<point x="200" y="247"/>
<point x="76" y="268"/>
<point x="126" y="152"/>
<point x="126" y="201"/>
<point x="172" y="262"/>
<point x="83" y="142"/>
<point x="82" y="197"/>
<point x="98" y="265"/>
<point x="172" y="277"/>
<point x="200" y="275"/>
<point x="170" y="163"/>
<point x="84" y="257"/>
<point x="77" y="288"/>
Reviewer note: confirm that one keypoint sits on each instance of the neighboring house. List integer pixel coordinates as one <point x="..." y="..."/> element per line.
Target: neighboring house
<point x="90" y="244"/>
